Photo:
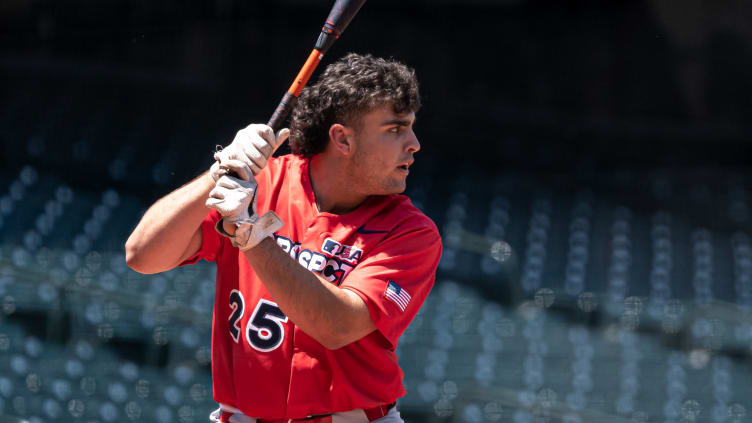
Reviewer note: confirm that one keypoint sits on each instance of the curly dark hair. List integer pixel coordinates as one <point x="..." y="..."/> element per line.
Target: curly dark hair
<point x="348" y="88"/>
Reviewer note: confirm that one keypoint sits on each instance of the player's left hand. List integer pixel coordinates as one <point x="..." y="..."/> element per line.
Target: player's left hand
<point x="235" y="200"/>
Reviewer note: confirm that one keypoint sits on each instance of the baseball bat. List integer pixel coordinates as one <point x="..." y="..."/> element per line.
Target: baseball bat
<point x="339" y="17"/>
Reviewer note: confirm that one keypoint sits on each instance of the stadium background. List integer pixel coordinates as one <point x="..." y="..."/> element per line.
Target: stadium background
<point x="596" y="221"/>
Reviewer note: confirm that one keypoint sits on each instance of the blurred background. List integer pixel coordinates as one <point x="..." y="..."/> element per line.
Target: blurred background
<point x="598" y="259"/>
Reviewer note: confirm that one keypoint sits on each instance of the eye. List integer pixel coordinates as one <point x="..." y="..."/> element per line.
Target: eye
<point x="395" y="129"/>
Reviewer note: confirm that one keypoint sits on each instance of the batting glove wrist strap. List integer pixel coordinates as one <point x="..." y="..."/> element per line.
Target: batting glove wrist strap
<point x="251" y="231"/>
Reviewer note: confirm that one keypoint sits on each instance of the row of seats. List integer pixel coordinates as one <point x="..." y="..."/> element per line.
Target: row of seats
<point x="84" y="380"/>
<point x="530" y="362"/>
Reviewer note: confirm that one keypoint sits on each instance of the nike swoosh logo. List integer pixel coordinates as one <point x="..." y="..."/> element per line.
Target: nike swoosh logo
<point x="364" y="231"/>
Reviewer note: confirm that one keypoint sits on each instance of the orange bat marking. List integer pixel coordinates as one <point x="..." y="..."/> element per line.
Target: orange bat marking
<point x="305" y="73"/>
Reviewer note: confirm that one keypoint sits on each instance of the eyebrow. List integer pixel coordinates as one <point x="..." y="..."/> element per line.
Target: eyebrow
<point x="401" y="122"/>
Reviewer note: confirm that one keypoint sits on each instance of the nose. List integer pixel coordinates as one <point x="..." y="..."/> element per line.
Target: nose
<point x="413" y="145"/>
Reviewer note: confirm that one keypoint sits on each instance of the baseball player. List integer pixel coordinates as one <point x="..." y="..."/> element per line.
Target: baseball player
<point x="321" y="265"/>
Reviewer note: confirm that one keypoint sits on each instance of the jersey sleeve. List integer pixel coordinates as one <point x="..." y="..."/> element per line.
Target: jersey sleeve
<point x="211" y="242"/>
<point x="395" y="278"/>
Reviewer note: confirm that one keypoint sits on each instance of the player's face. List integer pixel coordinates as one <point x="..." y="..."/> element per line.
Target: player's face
<point x="384" y="148"/>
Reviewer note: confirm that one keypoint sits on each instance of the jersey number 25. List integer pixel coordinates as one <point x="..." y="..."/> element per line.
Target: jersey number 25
<point x="264" y="331"/>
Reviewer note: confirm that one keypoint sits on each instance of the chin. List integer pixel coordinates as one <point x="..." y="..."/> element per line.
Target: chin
<point x="398" y="188"/>
<point x="390" y="186"/>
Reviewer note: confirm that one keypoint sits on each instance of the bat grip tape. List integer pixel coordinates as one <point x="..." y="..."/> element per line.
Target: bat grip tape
<point x="282" y="111"/>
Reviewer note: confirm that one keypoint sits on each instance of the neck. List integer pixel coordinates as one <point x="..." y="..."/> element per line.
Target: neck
<point x="328" y="180"/>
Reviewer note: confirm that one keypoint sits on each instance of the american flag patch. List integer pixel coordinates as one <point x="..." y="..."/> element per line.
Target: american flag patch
<point x="398" y="295"/>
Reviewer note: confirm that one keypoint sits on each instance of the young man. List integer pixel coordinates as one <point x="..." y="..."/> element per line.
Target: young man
<point x="313" y="295"/>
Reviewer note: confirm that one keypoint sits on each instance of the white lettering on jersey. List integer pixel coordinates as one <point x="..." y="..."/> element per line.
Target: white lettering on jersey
<point x="334" y="265"/>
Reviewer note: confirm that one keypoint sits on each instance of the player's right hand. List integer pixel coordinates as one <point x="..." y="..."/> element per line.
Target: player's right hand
<point x="252" y="147"/>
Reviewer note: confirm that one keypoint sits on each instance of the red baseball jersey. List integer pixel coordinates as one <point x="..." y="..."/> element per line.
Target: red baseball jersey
<point x="386" y="251"/>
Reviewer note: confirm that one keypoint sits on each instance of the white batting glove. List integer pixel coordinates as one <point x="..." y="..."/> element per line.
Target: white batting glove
<point x="251" y="232"/>
<point x="235" y="200"/>
<point x="252" y="146"/>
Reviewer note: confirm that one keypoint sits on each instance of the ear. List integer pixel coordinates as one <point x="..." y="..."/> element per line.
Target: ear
<point x="340" y="137"/>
